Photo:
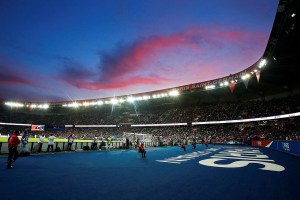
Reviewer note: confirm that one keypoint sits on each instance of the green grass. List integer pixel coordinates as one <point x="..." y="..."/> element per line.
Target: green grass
<point x="46" y="140"/>
<point x="4" y="139"/>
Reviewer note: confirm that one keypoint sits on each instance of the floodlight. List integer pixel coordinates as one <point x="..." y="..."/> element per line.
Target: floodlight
<point x="146" y="97"/>
<point x="14" y="104"/>
<point x="293" y="15"/>
<point x="246" y="76"/>
<point x="210" y="87"/>
<point x="114" y="101"/>
<point x="130" y="99"/>
<point x="174" y="93"/>
<point x="86" y="104"/>
<point x="43" y="106"/>
<point x="226" y="83"/>
<point x="74" y="105"/>
<point x="262" y="63"/>
<point x="99" y="102"/>
<point x="139" y="98"/>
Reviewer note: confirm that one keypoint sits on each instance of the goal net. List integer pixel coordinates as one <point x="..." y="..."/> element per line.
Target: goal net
<point x="137" y="137"/>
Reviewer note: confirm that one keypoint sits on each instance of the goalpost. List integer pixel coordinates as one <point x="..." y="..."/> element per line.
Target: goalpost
<point x="137" y="137"/>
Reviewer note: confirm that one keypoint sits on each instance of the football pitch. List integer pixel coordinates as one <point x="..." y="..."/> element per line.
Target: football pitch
<point x="213" y="172"/>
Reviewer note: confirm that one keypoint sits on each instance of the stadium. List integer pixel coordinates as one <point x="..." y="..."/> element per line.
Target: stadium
<point x="245" y="128"/>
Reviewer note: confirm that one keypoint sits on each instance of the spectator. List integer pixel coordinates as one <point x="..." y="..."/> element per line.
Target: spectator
<point x="13" y="143"/>
<point x="70" y="142"/>
<point x="24" y="141"/>
<point x="50" y="142"/>
<point x="40" y="143"/>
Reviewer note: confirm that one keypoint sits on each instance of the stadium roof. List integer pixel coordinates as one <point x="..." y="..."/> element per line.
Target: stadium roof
<point x="280" y="76"/>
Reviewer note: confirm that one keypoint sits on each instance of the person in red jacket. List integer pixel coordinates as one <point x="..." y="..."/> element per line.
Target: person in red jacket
<point x="182" y="145"/>
<point x="142" y="150"/>
<point x="13" y="143"/>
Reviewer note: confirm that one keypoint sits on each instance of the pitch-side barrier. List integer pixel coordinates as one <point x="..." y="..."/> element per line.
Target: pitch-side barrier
<point x="287" y="146"/>
<point x="32" y="147"/>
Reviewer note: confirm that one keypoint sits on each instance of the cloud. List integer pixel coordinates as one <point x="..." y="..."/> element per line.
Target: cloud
<point x="11" y="73"/>
<point x="146" y="60"/>
<point x="127" y="59"/>
<point x="73" y="70"/>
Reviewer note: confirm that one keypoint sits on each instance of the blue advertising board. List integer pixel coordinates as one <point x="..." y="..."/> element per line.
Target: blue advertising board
<point x="292" y="147"/>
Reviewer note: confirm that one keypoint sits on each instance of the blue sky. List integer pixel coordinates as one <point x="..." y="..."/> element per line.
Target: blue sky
<point x="62" y="50"/>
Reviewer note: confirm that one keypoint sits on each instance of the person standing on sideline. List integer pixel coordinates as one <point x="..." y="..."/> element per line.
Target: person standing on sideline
<point x="13" y="143"/>
<point x="142" y="150"/>
<point x="50" y="142"/>
<point x="182" y="145"/>
<point x="108" y="142"/>
<point x="40" y="143"/>
<point x="206" y="142"/>
<point x="70" y="142"/>
<point x="24" y="141"/>
<point x="95" y="143"/>
<point x="194" y="144"/>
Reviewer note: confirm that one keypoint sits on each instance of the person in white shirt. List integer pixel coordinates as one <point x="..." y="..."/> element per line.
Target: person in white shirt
<point x="51" y="142"/>
<point x="40" y="143"/>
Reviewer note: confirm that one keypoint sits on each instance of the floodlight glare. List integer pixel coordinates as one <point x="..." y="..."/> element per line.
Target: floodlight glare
<point x="130" y="99"/>
<point x="221" y="84"/>
<point x="114" y="101"/>
<point x="174" y="93"/>
<point x="293" y="15"/>
<point x="14" y="104"/>
<point x="99" y="102"/>
<point x="139" y="98"/>
<point x="74" y="105"/>
<point x="246" y="76"/>
<point x="210" y="87"/>
<point x="146" y="97"/>
<point x="86" y="104"/>
<point x="226" y="83"/>
<point x="262" y="63"/>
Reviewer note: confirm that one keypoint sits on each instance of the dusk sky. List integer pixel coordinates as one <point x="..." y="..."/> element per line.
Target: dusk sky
<point x="65" y="50"/>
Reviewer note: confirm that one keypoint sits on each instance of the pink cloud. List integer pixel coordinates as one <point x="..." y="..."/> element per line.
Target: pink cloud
<point x="135" y="64"/>
<point x="120" y="84"/>
<point x="12" y="76"/>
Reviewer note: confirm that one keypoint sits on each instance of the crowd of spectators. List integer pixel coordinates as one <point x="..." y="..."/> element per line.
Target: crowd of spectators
<point x="129" y="114"/>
